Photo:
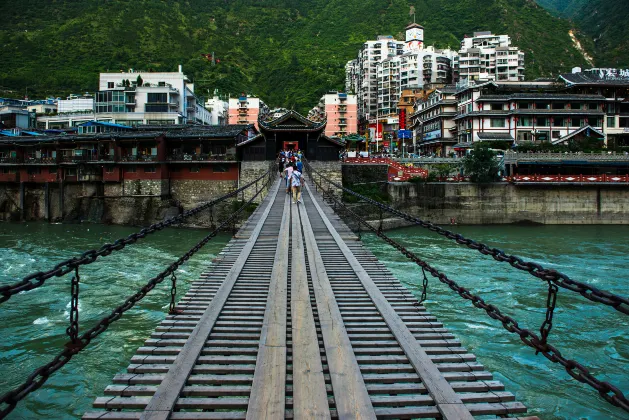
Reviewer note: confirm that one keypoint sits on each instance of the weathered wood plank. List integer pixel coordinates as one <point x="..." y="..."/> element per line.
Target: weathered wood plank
<point x="309" y="392"/>
<point x="350" y="393"/>
<point x="267" y="398"/>
<point x="163" y="402"/>
<point x="448" y="402"/>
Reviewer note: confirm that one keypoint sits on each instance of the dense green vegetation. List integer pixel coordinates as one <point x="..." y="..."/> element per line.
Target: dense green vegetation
<point x="605" y="21"/>
<point x="481" y="164"/>
<point x="287" y="52"/>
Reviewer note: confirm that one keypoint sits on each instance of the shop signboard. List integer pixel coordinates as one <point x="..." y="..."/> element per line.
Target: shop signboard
<point x="404" y="134"/>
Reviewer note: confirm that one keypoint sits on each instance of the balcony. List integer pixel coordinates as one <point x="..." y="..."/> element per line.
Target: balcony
<point x="75" y="158"/>
<point x="40" y="160"/>
<point x="138" y="158"/>
<point x="7" y="159"/>
<point x="202" y="157"/>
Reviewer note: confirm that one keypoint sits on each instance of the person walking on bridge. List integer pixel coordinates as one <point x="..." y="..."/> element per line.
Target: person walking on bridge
<point x="287" y="175"/>
<point x="297" y="180"/>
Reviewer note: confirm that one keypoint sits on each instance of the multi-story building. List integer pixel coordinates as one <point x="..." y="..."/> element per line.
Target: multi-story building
<point x="351" y="76"/>
<point x="340" y="110"/>
<point x="152" y="98"/>
<point x="246" y="109"/>
<point x="366" y="70"/>
<point x="486" y="56"/>
<point x="433" y="122"/>
<point x="613" y="85"/>
<point x="525" y="112"/>
<point x="218" y="109"/>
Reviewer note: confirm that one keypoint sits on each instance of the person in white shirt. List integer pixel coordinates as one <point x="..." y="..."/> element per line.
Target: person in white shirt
<point x="297" y="180"/>
<point x="287" y="173"/>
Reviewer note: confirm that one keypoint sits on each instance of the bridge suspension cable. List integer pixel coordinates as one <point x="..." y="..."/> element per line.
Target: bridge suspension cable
<point x="619" y="303"/>
<point x="35" y="280"/>
<point x="77" y="343"/>
<point x="539" y="343"/>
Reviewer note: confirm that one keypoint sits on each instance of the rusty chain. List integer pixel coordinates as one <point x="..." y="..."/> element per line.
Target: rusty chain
<point x="173" y="294"/>
<point x="35" y="380"/>
<point x="35" y="280"/>
<point x="607" y="391"/>
<point x="73" y="329"/>
<point x="620" y="303"/>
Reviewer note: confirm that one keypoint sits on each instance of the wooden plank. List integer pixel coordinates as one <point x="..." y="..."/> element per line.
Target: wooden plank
<point x="350" y="393"/>
<point x="268" y="392"/>
<point x="448" y="402"/>
<point x="163" y="402"/>
<point x="309" y="393"/>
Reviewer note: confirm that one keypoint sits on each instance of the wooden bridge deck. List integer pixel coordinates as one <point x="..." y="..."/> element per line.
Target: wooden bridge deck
<point x="296" y="319"/>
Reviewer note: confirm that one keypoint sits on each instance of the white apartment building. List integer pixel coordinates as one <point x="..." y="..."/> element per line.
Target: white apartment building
<point x="72" y="111"/>
<point x="351" y="76"/>
<point x="136" y="97"/>
<point x="218" y="109"/>
<point x="486" y="56"/>
<point x="366" y="84"/>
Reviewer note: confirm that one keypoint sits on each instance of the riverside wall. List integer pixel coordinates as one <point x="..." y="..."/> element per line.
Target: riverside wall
<point x="501" y="203"/>
<point x="131" y="202"/>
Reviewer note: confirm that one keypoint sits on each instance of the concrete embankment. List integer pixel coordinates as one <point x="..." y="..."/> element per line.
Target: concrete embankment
<point x="501" y="203"/>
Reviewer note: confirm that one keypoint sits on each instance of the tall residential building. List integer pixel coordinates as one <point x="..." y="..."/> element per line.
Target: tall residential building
<point x="246" y="109"/>
<point x="149" y="98"/>
<point x="366" y="72"/>
<point x="351" y="76"/>
<point x="341" y="112"/>
<point x="486" y="56"/>
<point x="217" y="107"/>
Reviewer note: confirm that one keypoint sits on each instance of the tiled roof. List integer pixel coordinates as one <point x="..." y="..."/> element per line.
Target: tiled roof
<point x="546" y="96"/>
<point x="485" y="136"/>
<point x="592" y="79"/>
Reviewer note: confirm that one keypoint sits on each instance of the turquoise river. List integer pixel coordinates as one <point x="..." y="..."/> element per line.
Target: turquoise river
<point x="32" y="324"/>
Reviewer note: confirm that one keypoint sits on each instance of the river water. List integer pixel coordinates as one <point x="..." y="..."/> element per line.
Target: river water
<point x="32" y="324"/>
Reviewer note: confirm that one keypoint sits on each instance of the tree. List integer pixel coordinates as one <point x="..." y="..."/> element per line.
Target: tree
<point x="445" y="169"/>
<point x="481" y="165"/>
<point x="139" y="81"/>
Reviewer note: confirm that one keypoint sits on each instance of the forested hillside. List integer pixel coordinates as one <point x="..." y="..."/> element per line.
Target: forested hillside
<point x="603" y="20"/>
<point x="286" y="51"/>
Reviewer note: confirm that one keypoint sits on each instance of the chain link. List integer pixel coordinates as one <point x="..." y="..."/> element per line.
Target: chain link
<point x="173" y="294"/>
<point x="551" y="302"/>
<point x="35" y="280"/>
<point x="607" y="391"/>
<point x="422" y="299"/>
<point x="620" y="303"/>
<point x="73" y="329"/>
<point x="9" y="400"/>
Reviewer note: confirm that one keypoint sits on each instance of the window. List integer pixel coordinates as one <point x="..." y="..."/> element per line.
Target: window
<point x="496" y="107"/>
<point x="542" y="122"/>
<point x="623" y="123"/>
<point x="497" y="123"/>
<point x="524" y="105"/>
<point x="611" y="108"/>
<point x="560" y="122"/>
<point x="34" y="170"/>
<point x="595" y="122"/>
<point x="130" y="170"/>
<point x="8" y="170"/>
<point x="149" y="169"/>
<point x="109" y="169"/>
<point x="524" y="136"/>
<point x="575" y="105"/>
<point x="593" y="106"/>
<point x="576" y="122"/>
<point x="175" y="169"/>
<point x="611" y="122"/>
<point x="556" y="134"/>
<point x="52" y="170"/>
<point x="220" y="168"/>
<point x="71" y="172"/>
<point x="194" y="169"/>
<point x="110" y="85"/>
<point x="542" y="105"/>
<point x="525" y="122"/>
<point x="558" y="105"/>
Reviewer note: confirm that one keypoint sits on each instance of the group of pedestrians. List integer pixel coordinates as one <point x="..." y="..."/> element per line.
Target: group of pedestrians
<point x="290" y="167"/>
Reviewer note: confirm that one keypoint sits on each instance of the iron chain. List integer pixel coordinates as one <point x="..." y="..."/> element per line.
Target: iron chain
<point x="73" y="329"/>
<point x="607" y="391"/>
<point x="422" y="299"/>
<point x="9" y="400"/>
<point x="620" y="303"/>
<point x="173" y="293"/>
<point x="38" y="279"/>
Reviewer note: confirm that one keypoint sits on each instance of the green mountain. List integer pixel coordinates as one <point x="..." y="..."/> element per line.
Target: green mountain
<point x="605" y="21"/>
<point x="288" y="52"/>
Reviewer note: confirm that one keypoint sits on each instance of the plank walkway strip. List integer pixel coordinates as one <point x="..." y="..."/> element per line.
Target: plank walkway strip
<point x="163" y="402"/>
<point x="268" y="393"/>
<point x="310" y="397"/>
<point x="350" y="393"/>
<point x="447" y="401"/>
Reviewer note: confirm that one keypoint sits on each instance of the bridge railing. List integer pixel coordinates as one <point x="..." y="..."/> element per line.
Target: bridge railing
<point x="77" y="342"/>
<point x="553" y="279"/>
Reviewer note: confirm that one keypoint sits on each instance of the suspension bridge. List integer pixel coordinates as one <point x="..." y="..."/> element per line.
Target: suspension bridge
<point x="297" y="319"/>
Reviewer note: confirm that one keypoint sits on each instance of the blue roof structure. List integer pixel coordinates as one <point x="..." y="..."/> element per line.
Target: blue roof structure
<point x="104" y="124"/>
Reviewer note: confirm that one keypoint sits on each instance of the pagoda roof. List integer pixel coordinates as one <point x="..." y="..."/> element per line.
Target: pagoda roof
<point x="291" y="121"/>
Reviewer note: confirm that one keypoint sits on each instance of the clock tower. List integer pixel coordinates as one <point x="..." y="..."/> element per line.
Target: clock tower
<point x="414" y="37"/>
